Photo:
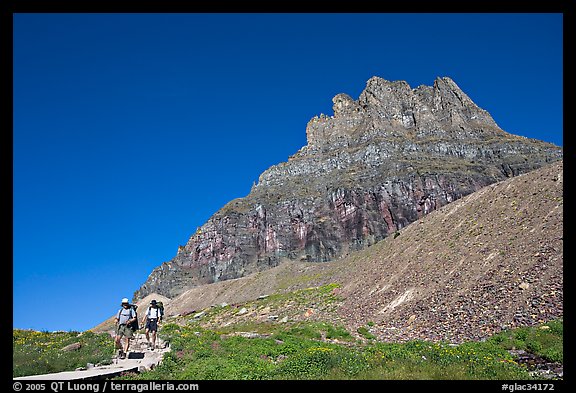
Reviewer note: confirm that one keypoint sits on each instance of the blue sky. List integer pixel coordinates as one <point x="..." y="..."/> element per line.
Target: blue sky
<point x="131" y="130"/>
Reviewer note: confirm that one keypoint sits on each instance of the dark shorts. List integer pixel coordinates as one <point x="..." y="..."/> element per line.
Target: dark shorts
<point x="124" y="330"/>
<point x="152" y="325"/>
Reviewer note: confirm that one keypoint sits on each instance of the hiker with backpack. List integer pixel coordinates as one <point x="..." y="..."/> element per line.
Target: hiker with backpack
<point x="152" y="317"/>
<point x="125" y="317"/>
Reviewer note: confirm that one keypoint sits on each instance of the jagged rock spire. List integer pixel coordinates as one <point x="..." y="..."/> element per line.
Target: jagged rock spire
<point x="387" y="108"/>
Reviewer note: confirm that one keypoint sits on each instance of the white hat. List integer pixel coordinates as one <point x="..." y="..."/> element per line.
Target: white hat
<point x="125" y="300"/>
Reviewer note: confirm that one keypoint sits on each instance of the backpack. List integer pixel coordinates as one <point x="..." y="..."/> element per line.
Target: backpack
<point x="134" y="324"/>
<point x="161" y="308"/>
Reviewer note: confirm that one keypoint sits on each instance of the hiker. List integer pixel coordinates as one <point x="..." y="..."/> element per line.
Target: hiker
<point x="124" y="317"/>
<point x="152" y="317"/>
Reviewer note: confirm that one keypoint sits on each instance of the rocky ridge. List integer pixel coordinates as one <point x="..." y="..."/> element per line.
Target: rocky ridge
<point x="378" y="164"/>
<point x="496" y="263"/>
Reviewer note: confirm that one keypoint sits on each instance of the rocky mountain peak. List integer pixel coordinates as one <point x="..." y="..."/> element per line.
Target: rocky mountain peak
<point x="386" y="108"/>
<point x="379" y="163"/>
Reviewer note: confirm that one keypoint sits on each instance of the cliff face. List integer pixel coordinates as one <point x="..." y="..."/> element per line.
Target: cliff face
<point x="380" y="163"/>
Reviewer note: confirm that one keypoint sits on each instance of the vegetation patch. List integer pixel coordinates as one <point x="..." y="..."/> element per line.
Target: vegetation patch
<point x="545" y="340"/>
<point x="35" y="352"/>
<point x="273" y="308"/>
<point x="364" y="332"/>
<point x="319" y="350"/>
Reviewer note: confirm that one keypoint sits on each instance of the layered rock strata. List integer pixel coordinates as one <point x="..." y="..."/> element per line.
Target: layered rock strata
<point x="379" y="163"/>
